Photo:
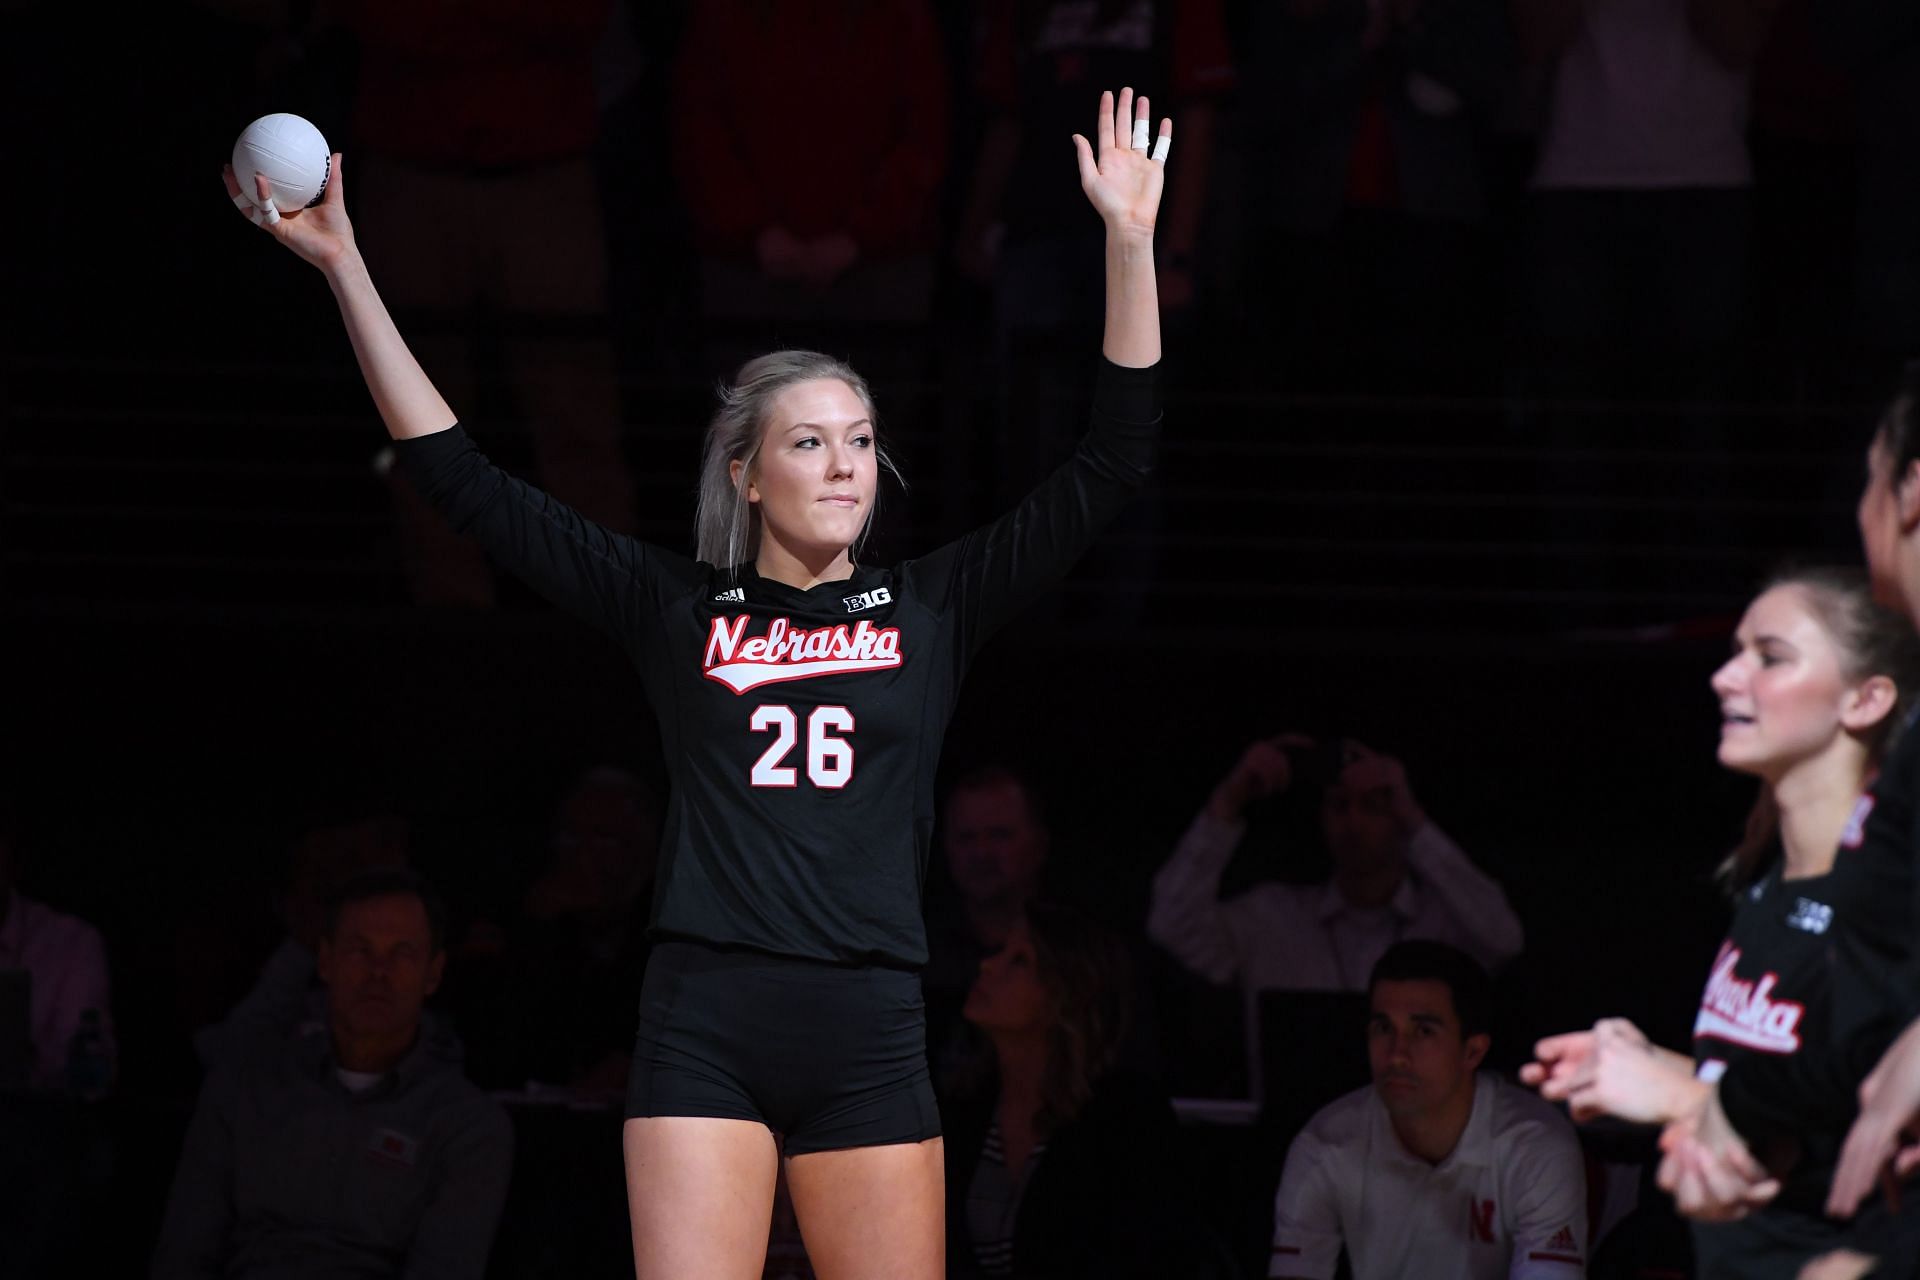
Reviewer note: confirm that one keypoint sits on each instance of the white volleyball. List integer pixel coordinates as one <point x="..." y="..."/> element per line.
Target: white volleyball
<point x="291" y="153"/>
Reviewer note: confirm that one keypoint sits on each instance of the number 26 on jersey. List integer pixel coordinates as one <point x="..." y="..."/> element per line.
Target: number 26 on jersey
<point x="829" y="757"/>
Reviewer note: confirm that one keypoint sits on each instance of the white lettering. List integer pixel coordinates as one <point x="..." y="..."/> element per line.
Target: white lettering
<point x="789" y="653"/>
<point x="1745" y="1013"/>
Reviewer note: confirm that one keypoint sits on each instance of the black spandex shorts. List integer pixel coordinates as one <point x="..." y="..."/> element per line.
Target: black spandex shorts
<point x="827" y="1057"/>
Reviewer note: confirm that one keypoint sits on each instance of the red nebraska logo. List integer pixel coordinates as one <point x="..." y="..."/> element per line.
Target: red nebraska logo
<point x="1480" y="1220"/>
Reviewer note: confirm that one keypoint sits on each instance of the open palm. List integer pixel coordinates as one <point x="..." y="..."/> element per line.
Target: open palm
<point x="1124" y="184"/>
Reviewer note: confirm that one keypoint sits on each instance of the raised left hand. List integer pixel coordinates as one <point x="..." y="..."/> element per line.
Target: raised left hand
<point x="1123" y="183"/>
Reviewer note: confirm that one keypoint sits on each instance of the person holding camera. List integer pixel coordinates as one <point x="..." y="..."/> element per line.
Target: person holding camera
<point x="1395" y="876"/>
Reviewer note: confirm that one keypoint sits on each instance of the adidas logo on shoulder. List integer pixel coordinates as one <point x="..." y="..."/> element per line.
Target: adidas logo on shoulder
<point x="736" y="596"/>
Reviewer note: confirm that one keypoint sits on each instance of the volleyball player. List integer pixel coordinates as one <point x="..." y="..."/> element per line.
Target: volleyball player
<point x="802" y="696"/>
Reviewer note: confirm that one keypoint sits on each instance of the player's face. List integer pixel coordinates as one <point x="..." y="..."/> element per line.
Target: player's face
<point x="813" y="482"/>
<point x="1878" y="515"/>
<point x="1007" y="994"/>
<point x="994" y="848"/>
<point x="1782" y="693"/>
<point x="380" y="966"/>
<point x="1420" y="1059"/>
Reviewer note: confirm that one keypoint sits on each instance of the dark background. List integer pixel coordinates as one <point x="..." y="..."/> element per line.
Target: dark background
<point x="208" y="642"/>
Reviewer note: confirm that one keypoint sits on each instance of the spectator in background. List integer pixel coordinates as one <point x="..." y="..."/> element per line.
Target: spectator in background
<point x="1386" y="1172"/>
<point x="810" y="138"/>
<point x="285" y="999"/>
<point x="1635" y="264"/>
<point x="359" y="1148"/>
<point x="994" y="843"/>
<point x="70" y="1041"/>
<point x="1364" y="184"/>
<point x="1022" y="229"/>
<point x="550" y="995"/>
<point x="1059" y="1163"/>
<point x="474" y="185"/>
<point x="1878" y="45"/>
<point x="1395" y="876"/>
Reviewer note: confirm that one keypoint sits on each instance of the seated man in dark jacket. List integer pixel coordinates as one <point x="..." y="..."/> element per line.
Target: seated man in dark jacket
<point x="359" y="1149"/>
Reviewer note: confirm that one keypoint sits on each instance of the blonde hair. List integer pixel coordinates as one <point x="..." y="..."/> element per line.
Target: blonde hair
<point x="726" y="528"/>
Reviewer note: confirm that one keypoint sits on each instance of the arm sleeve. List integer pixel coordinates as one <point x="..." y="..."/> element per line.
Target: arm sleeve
<point x="985" y="577"/>
<point x="456" y="1231"/>
<point x="193" y="1234"/>
<point x="1474" y="901"/>
<point x="1306" y="1215"/>
<point x="583" y="567"/>
<point x="1548" y="1195"/>
<point x="270" y="1013"/>
<point x="1186" y="916"/>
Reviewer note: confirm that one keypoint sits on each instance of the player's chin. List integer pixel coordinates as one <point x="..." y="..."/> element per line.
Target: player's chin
<point x="838" y="526"/>
<point x="1739" y="753"/>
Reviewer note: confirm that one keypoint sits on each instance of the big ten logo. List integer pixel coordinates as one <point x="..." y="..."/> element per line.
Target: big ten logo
<point x="1480" y="1220"/>
<point x="869" y="600"/>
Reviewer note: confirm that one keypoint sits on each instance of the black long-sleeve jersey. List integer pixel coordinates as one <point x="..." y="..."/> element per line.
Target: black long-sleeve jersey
<point x="1768" y="999"/>
<point x="1872" y="988"/>
<point x="802" y="729"/>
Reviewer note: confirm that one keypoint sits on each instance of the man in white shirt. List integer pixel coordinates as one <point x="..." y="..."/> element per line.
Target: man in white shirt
<point x="1434" y="1171"/>
<point x="1395" y="875"/>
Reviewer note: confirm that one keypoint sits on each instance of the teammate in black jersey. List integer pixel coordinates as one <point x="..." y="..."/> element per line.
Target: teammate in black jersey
<point x="1875" y="959"/>
<point x="802" y="697"/>
<point x="1812" y="698"/>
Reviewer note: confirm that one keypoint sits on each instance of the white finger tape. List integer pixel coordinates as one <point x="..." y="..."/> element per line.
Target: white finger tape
<point x="1161" y="146"/>
<point x="269" y="215"/>
<point x="1139" y="135"/>
<point x="243" y="204"/>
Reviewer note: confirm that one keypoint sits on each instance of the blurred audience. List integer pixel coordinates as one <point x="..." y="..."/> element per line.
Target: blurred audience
<point x="994" y="841"/>
<point x="475" y="198"/>
<point x="1636" y="258"/>
<point x="355" y="1148"/>
<point x="286" y="999"/>
<point x="63" y="1035"/>
<point x="810" y="139"/>
<point x="548" y="995"/>
<point x="1385" y="1173"/>
<point x="1059" y="1162"/>
<point x="1023" y="227"/>
<point x="1365" y="193"/>
<point x="1878" y="45"/>
<point x="58" y="1059"/>
<point x="1395" y="876"/>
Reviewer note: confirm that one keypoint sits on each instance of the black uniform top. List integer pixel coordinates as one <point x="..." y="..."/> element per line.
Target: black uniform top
<point x="1767" y="1000"/>
<point x="1873" y="991"/>
<point x="801" y="729"/>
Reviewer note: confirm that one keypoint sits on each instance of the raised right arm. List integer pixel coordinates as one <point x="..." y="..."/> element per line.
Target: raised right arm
<point x="323" y="236"/>
<point x="579" y="565"/>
